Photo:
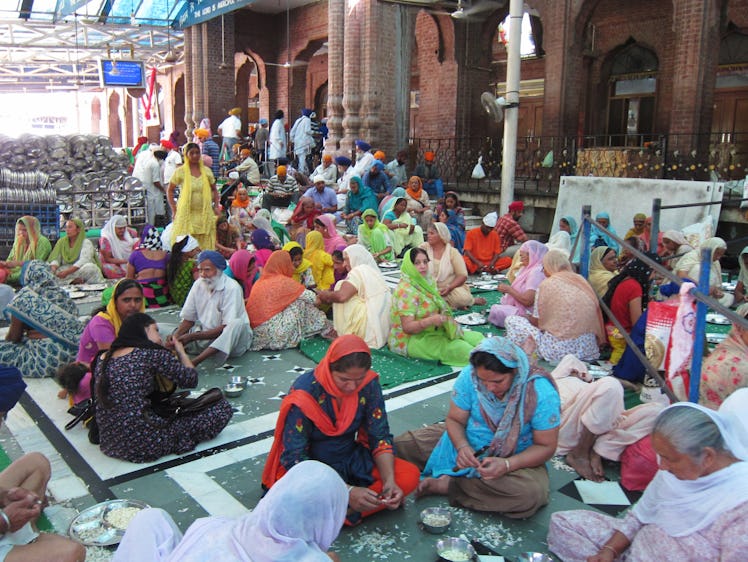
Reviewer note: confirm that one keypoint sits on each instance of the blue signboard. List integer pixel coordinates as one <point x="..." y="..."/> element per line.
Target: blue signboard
<point x="204" y="10"/>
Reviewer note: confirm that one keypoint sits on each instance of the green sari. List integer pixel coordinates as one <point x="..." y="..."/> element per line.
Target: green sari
<point x="418" y="297"/>
<point x="376" y="238"/>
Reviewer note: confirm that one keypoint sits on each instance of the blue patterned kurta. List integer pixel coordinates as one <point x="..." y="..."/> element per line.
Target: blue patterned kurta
<point x="352" y="460"/>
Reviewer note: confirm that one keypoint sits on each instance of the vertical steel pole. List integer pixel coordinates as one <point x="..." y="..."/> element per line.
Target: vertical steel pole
<point x="656" y="204"/>
<point x="584" y="232"/>
<point x="698" y="342"/>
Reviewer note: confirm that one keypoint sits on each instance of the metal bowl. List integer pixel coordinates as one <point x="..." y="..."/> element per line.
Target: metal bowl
<point x="238" y="381"/>
<point x="436" y="520"/>
<point x="233" y="390"/>
<point x="454" y="549"/>
<point x="534" y="557"/>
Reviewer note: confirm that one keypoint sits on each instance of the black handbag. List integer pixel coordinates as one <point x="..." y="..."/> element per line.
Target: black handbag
<point x="168" y="407"/>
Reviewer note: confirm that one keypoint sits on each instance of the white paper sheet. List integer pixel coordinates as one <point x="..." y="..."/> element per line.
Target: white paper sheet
<point x="601" y="493"/>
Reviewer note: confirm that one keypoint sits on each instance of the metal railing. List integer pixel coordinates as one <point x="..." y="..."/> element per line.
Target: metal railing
<point x="541" y="161"/>
<point x="700" y="294"/>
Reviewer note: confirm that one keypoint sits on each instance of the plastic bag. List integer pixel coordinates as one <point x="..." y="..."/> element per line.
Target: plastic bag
<point x="478" y="172"/>
<point x="548" y="160"/>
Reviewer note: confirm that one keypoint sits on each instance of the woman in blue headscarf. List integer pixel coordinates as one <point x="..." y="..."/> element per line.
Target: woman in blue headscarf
<point x="360" y="198"/>
<point x="600" y="238"/>
<point x="501" y="428"/>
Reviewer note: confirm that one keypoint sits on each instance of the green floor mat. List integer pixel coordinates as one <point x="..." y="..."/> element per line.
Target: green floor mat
<point x="393" y="369"/>
<point x="43" y="523"/>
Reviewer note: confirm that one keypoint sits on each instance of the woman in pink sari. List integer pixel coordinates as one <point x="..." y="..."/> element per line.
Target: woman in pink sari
<point x="243" y="264"/>
<point x="333" y="240"/>
<point x="519" y="297"/>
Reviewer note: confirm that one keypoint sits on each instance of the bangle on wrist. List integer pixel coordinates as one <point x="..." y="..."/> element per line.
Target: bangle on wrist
<point x="463" y="446"/>
<point x="508" y="466"/>
<point x="608" y="547"/>
<point x="350" y="487"/>
<point x="4" y="517"/>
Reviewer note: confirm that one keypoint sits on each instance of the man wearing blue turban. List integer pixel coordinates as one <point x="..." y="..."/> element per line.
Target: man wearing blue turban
<point x="377" y="180"/>
<point x="214" y="319"/>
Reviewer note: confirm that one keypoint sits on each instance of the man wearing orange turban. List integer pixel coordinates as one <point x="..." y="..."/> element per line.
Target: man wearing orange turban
<point x="282" y="190"/>
<point x="429" y="174"/>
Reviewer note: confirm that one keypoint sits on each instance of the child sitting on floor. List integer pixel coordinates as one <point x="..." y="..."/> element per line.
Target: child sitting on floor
<point x="75" y="380"/>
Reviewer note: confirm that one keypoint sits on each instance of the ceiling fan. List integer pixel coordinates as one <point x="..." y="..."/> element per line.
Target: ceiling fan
<point x="288" y="63"/>
<point x="466" y="10"/>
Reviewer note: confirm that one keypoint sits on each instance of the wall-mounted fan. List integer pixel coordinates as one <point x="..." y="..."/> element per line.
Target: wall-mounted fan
<point x="495" y="106"/>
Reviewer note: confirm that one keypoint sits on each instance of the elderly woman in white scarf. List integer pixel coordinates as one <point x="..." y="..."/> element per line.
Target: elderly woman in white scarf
<point x="676" y="246"/>
<point x="115" y="246"/>
<point x="696" y="508"/>
<point x="447" y="268"/>
<point x="294" y="522"/>
<point x="689" y="266"/>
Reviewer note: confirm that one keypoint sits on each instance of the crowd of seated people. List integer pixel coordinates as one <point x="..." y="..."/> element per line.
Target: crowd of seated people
<point x="276" y="283"/>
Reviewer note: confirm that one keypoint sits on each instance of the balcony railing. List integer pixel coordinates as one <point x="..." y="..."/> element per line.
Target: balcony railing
<point x="541" y="161"/>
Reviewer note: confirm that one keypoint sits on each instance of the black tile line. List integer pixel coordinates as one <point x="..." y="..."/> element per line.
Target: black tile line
<point x="96" y="487"/>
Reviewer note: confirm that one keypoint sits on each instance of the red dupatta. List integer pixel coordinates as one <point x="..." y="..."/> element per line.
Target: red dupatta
<point x="345" y="412"/>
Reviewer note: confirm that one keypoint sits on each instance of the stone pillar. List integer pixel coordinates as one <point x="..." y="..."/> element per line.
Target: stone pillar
<point x="373" y="81"/>
<point x="195" y="76"/>
<point x="188" y="91"/>
<point x="352" y="77"/>
<point x="336" y="42"/>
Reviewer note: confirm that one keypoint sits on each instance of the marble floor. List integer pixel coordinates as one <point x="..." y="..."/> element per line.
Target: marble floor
<point x="222" y="476"/>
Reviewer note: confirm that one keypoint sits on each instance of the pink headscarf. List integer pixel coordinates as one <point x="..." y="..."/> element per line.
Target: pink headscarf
<point x="334" y="239"/>
<point x="530" y="276"/>
<point x="238" y="263"/>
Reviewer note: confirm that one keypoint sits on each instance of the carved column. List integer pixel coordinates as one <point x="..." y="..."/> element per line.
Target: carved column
<point x="336" y="45"/>
<point x="188" y="102"/>
<point x="352" y="77"/>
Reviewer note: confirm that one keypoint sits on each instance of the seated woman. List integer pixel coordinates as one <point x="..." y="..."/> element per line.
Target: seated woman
<point x="560" y="241"/>
<point x="73" y="259"/>
<point x="418" y="202"/>
<point x="180" y="271"/>
<point x="690" y="266"/>
<point x="626" y="254"/>
<point x="454" y="218"/>
<point x="325" y="225"/>
<point x="293" y="521"/>
<point x="125" y="379"/>
<point x="124" y="300"/>
<point x="567" y="317"/>
<point x="422" y="322"/>
<point x="389" y="200"/>
<point x="263" y="219"/>
<point x="696" y="507"/>
<point x="676" y="246"/>
<point x="404" y="233"/>
<point x="360" y="198"/>
<point x="519" y="297"/>
<point x="115" y="247"/>
<point x="23" y="491"/>
<point x="263" y="246"/>
<point x="627" y="297"/>
<point x="447" y="268"/>
<point x="302" y="219"/>
<point x="594" y="422"/>
<point x="281" y="311"/>
<point x="336" y="414"/>
<point x="302" y="266"/>
<point x="147" y="265"/>
<point x="725" y="370"/>
<point x="600" y="238"/>
<point x="244" y="269"/>
<point x="361" y="302"/>
<point x="501" y="428"/>
<point x="321" y="261"/>
<point x="44" y="327"/>
<point x="603" y="267"/>
<point x="228" y="238"/>
<point x="28" y="244"/>
<point x="375" y="237"/>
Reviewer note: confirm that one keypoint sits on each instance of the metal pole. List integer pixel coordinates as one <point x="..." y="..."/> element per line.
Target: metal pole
<point x="698" y="342"/>
<point x="584" y="232"/>
<point x="656" y="205"/>
<point x="511" y="113"/>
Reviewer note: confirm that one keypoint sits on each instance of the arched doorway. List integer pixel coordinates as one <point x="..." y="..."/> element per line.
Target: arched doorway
<point x="320" y="101"/>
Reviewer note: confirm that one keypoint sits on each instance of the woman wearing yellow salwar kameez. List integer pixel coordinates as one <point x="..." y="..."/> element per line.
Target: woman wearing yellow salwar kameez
<point x="361" y="302"/>
<point x="196" y="208"/>
<point x="322" y="270"/>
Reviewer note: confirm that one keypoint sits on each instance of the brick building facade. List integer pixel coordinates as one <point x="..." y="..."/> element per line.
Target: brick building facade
<point x="389" y="73"/>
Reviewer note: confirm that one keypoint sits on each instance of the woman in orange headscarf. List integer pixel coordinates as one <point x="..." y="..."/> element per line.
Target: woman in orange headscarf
<point x="418" y="202"/>
<point x="357" y="444"/>
<point x="281" y="311"/>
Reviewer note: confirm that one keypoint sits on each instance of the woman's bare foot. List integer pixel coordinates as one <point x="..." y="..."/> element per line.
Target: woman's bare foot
<point x="433" y="486"/>
<point x="596" y="462"/>
<point x="583" y="466"/>
<point x="479" y="301"/>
